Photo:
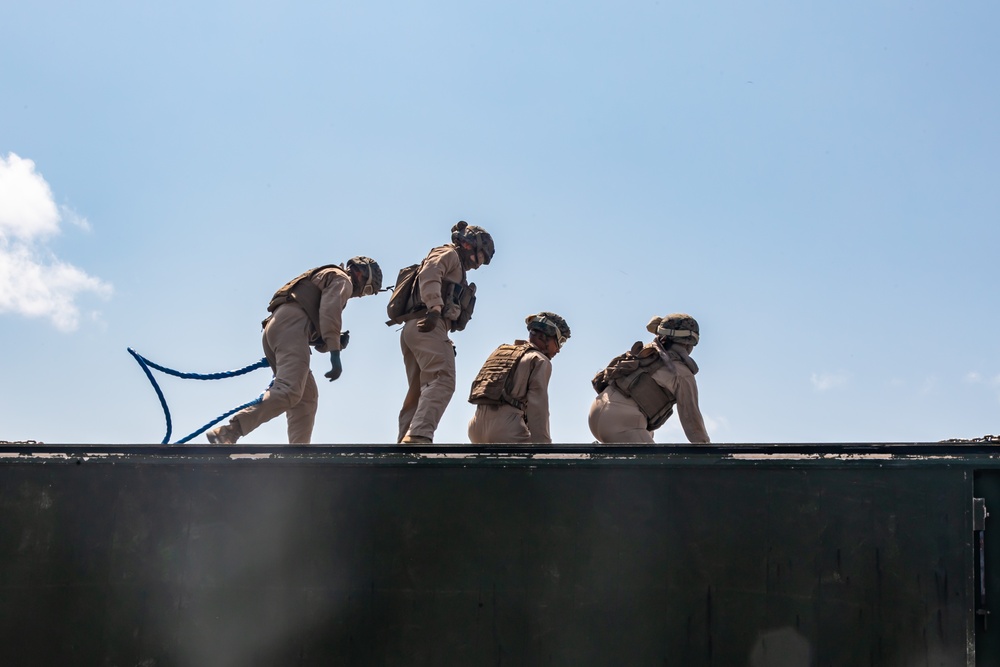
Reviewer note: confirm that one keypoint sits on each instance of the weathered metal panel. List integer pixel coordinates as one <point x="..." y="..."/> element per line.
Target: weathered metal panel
<point x="453" y="556"/>
<point x="987" y="488"/>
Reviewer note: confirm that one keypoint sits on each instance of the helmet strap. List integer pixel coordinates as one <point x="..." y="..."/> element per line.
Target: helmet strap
<point x="360" y="289"/>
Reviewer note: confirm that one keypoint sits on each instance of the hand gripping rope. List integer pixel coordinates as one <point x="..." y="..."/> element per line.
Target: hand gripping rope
<point x="146" y="364"/>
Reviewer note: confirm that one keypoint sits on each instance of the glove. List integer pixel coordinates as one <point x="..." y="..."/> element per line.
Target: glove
<point x="429" y="321"/>
<point x="335" y="366"/>
<point x="345" y="338"/>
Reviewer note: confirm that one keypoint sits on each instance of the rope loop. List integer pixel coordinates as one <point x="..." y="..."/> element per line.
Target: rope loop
<point x="146" y="365"/>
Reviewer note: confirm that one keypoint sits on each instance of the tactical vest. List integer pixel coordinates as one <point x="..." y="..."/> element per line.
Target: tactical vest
<point x="495" y="380"/>
<point x="631" y="374"/>
<point x="304" y="292"/>
<point x="459" y="301"/>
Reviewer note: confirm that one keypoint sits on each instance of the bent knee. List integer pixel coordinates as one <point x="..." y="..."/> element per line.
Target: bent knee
<point x="285" y="394"/>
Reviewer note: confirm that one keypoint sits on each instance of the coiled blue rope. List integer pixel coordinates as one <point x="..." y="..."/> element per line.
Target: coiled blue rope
<point x="146" y="364"/>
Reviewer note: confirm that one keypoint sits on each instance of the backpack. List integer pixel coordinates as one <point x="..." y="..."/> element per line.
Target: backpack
<point x="620" y="366"/>
<point x="493" y="383"/>
<point x="400" y="307"/>
<point x="630" y="373"/>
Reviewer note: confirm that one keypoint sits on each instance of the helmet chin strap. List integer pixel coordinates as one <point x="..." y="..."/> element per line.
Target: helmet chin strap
<point x="470" y="258"/>
<point x="557" y="336"/>
<point x="362" y="290"/>
<point x="368" y="289"/>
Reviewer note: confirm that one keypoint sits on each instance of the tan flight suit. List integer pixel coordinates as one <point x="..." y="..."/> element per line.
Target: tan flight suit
<point x="505" y="423"/>
<point x="429" y="357"/>
<point x="614" y="418"/>
<point x="286" y="339"/>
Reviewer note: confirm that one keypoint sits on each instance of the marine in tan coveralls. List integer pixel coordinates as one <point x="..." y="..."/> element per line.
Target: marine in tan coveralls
<point x="521" y="415"/>
<point x="428" y="353"/>
<point x="306" y="312"/>
<point x="616" y="418"/>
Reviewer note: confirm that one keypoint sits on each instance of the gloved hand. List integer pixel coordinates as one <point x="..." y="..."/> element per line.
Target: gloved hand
<point x="428" y="321"/>
<point x="345" y="338"/>
<point x="335" y="366"/>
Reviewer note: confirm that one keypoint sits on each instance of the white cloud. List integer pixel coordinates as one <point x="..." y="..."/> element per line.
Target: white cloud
<point x="74" y="218"/>
<point x="826" y="381"/>
<point x="33" y="282"/>
<point x="716" y="424"/>
<point x="973" y="377"/>
<point x="27" y="210"/>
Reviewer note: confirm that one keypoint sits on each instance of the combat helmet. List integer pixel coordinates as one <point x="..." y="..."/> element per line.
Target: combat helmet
<point x="475" y="236"/>
<point x="549" y="324"/>
<point x="676" y="327"/>
<point x="372" y="272"/>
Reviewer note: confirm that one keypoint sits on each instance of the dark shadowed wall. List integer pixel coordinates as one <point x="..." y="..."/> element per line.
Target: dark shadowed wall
<point x="779" y="557"/>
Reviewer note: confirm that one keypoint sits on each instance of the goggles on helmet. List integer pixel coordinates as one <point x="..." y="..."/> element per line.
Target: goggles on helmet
<point x="550" y="328"/>
<point x="368" y="289"/>
<point x="676" y="333"/>
<point x="482" y="249"/>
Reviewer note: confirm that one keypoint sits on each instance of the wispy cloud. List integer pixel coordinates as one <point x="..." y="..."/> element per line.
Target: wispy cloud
<point x="33" y="281"/>
<point x="977" y="378"/>
<point x="827" y="381"/>
<point x="717" y="427"/>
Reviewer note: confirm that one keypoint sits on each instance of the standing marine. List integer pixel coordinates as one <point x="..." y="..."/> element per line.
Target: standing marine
<point x="442" y="301"/>
<point x="306" y="311"/>
<point x="511" y="391"/>
<point x="638" y="390"/>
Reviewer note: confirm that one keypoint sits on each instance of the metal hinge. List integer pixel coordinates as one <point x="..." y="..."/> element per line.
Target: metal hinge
<point x="979" y="515"/>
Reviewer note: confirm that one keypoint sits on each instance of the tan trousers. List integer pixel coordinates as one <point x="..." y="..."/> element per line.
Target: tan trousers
<point x="429" y="359"/>
<point x="614" y="418"/>
<point x="294" y="392"/>
<point x="498" y="424"/>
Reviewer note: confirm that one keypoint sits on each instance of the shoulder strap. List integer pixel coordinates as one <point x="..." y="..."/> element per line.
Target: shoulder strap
<point x="508" y="384"/>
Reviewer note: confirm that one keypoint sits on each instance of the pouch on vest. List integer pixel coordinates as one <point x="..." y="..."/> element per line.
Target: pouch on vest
<point x="654" y="402"/>
<point x="494" y="381"/>
<point x="463" y="297"/>
<point x="401" y="307"/>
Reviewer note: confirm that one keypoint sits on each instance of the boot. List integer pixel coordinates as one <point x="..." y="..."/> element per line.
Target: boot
<point x="222" y="435"/>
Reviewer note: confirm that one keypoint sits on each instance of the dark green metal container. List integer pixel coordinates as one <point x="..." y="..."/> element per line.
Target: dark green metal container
<point x="777" y="556"/>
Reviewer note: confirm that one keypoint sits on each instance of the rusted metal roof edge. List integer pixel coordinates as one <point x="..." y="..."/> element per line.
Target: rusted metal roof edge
<point x="783" y="454"/>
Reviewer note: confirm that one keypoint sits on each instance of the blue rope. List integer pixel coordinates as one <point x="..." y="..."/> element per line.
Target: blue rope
<point x="146" y="364"/>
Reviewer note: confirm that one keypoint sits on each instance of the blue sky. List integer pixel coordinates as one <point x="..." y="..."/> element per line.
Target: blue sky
<point x="815" y="184"/>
